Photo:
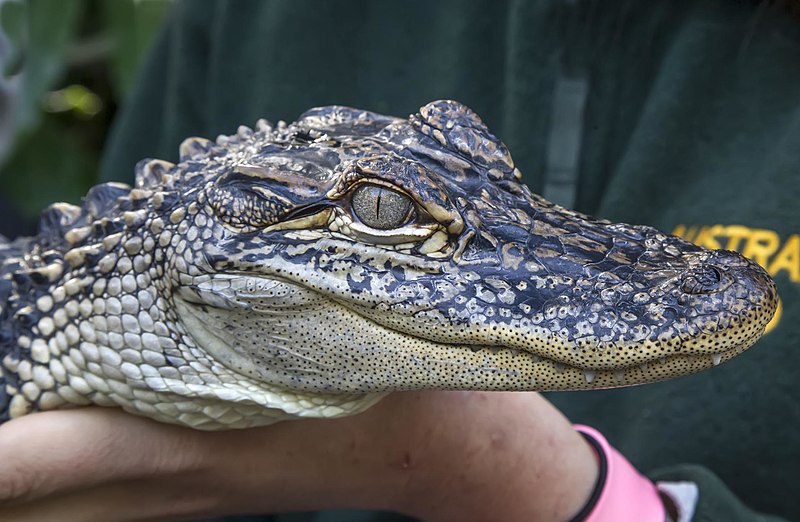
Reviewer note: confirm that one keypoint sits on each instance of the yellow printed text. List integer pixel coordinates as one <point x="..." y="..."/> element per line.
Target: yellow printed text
<point x="761" y="245"/>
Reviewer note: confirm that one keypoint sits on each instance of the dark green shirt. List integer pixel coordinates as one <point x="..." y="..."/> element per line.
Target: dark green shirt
<point x="684" y="115"/>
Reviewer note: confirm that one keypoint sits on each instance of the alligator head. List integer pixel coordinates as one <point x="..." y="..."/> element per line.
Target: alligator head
<point x="308" y="268"/>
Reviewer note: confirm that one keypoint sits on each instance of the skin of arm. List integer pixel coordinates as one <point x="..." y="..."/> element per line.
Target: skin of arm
<point x="438" y="456"/>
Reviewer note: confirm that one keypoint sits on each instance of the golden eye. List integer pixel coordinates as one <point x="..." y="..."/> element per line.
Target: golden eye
<point x="380" y="207"/>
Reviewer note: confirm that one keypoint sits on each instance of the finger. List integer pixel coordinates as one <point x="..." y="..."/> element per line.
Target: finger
<point x="137" y="500"/>
<point x="60" y="451"/>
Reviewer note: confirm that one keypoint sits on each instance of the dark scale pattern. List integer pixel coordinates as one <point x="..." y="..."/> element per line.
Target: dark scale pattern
<point x="304" y="269"/>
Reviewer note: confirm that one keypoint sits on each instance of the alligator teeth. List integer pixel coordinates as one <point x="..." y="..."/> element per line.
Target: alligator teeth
<point x="619" y="375"/>
<point x="589" y="376"/>
<point x="716" y="358"/>
<point x="536" y="358"/>
<point x="559" y="367"/>
<point x="644" y="367"/>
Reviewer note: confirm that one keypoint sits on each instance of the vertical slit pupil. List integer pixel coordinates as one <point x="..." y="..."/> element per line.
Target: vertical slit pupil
<point x="380" y="207"/>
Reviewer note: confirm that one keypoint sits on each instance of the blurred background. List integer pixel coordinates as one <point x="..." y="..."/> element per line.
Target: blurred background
<point x="66" y="67"/>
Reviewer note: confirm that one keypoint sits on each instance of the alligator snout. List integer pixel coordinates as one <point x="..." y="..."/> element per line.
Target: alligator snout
<point x="706" y="279"/>
<point x="711" y="274"/>
<point x="718" y="270"/>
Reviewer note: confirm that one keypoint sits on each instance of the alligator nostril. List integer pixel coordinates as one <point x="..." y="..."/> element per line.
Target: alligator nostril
<point x="705" y="279"/>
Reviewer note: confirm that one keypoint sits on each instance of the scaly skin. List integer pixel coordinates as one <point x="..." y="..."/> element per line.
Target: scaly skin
<point x="259" y="280"/>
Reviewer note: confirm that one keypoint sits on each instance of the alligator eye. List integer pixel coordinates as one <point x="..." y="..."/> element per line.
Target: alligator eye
<point x="380" y="207"/>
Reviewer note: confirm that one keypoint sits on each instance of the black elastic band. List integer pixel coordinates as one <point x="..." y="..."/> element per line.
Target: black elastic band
<point x="587" y="508"/>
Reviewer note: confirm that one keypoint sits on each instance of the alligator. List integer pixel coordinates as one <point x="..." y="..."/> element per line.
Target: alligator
<point x="307" y="269"/>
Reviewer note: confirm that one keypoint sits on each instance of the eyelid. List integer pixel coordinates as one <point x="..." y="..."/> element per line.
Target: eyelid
<point x="378" y="182"/>
<point x="405" y="234"/>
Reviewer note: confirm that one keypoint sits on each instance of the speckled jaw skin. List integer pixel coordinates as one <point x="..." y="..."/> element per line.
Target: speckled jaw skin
<point x="307" y="269"/>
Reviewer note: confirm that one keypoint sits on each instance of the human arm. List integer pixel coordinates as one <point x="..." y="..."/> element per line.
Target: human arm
<point x="436" y="456"/>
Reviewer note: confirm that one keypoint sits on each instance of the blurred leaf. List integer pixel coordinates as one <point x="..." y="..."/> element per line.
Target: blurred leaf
<point x="50" y="27"/>
<point x="48" y="165"/>
<point x="75" y="98"/>
<point x="66" y="58"/>
<point x="12" y="21"/>
<point x="133" y="24"/>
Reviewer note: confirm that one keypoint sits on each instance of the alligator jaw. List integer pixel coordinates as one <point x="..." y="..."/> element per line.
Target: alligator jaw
<point x="268" y="331"/>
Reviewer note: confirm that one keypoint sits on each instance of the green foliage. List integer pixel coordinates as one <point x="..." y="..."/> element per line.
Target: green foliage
<point x="132" y="24"/>
<point x="48" y="166"/>
<point x="41" y="32"/>
<point x="71" y="63"/>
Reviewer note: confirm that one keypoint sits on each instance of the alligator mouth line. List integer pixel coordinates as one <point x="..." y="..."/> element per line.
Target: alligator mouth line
<point x="656" y="369"/>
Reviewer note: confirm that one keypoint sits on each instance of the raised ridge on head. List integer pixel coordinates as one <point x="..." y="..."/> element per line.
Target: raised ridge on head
<point x="345" y="120"/>
<point x="194" y="147"/>
<point x="152" y="172"/>
<point x="457" y="127"/>
<point x="102" y="198"/>
<point x="58" y="218"/>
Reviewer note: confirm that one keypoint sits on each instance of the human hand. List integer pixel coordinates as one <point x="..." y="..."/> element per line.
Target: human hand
<point x="433" y="455"/>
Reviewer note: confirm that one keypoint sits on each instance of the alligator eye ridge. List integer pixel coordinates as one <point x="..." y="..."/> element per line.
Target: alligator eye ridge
<point x="380" y="207"/>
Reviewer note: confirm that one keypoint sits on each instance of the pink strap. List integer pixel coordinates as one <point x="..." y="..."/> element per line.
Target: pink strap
<point x="626" y="495"/>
